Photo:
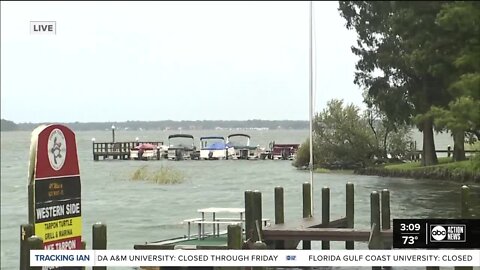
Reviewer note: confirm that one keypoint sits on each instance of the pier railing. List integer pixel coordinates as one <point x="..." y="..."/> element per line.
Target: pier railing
<point x="117" y="150"/>
<point x="288" y="235"/>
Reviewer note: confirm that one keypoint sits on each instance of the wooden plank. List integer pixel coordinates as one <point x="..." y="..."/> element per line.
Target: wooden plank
<point x="326" y="234"/>
<point x="309" y="223"/>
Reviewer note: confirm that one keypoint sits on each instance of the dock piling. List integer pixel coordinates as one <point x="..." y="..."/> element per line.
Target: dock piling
<point x="26" y="230"/>
<point x="375" y="241"/>
<point x="350" y="212"/>
<point x="464" y="213"/>
<point x="465" y="202"/>
<point x="259" y="245"/>
<point x="99" y="242"/>
<point x="249" y="218"/>
<point x="325" y="212"/>
<point x="257" y="215"/>
<point x="307" y="210"/>
<point x="385" y="216"/>
<point x="385" y="208"/>
<point x="279" y="213"/>
<point x="34" y="243"/>
<point x="234" y="237"/>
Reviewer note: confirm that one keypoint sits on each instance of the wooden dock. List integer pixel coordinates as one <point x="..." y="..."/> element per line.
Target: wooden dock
<point x="116" y="150"/>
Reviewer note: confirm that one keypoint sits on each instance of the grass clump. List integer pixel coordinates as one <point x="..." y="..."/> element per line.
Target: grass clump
<point x="164" y="175"/>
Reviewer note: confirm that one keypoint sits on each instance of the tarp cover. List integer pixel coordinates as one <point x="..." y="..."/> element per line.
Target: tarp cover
<point x="217" y="146"/>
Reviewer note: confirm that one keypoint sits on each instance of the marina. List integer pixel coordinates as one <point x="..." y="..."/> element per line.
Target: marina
<point x="211" y="148"/>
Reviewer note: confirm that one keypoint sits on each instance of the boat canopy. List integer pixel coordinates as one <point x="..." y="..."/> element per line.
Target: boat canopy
<point x="212" y="137"/>
<point x="216" y="146"/>
<point x="239" y="135"/>
<point x="146" y="146"/>
<point x="284" y="145"/>
<point x="180" y="136"/>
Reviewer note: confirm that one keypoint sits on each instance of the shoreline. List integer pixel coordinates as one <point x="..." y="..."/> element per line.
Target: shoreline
<point x="463" y="171"/>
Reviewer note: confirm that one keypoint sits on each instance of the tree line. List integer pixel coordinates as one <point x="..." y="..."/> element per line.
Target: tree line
<point x="167" y="124"/>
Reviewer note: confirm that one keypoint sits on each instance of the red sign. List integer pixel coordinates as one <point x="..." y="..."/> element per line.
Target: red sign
<point x="54" y="188"/>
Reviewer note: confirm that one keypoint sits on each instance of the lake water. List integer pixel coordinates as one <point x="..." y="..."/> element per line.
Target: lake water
<point x="136" y="212"/>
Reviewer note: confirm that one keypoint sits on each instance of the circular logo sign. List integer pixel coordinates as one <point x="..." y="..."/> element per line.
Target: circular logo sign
<point x="438" y="233"/>
<point x="57" y="149"/>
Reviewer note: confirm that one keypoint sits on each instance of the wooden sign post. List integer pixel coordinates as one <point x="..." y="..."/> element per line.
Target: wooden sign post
<point x="54" y="189"/>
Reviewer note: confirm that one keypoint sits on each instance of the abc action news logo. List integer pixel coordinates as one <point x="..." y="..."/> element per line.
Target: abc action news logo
<point x="448" y="233"/>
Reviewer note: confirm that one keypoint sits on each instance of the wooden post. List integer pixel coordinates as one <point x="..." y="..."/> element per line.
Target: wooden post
<point x="259" y="245"/>
<point x="385" y="206"/>
<point x="375" y="238"/>
<point x="307" y="200"/>
<point x="234" y="241"/>
<point x="279" y="206"/>
<point x="350" y="212"/>
<point x="93" y="149"/>
<point x="307" y="210"/>
<point x="84" y="247"/>
<point x="26" y="230"/>
<point x="34" y="243"/>
<point x="257" y="215"/>
<point x="465" y="202"/>
<point x="279" y="213"/>
<point x="234" y="237"/>
<point x="99" y="242"/>
<point x="385" y="215"/>
<point x="249" y="218"/>
<point x="464" y="213"/>
<point x="325" y="212"/>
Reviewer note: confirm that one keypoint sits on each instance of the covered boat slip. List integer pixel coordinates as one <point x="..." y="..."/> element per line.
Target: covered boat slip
<point x="181" y="147"/>
<point x="214" y="147"/>
<point x="243" y="150"/>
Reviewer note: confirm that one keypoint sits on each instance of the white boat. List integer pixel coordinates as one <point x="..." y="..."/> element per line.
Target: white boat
<point x="243" y="150"/>
<point x="179" y="149"/>
<point x="214" y="147"/>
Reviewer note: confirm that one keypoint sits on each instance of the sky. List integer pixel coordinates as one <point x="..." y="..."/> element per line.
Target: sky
<point x="149" y="61"/>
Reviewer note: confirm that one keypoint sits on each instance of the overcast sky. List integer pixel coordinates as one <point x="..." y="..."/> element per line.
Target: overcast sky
<point x="172" y="61"/>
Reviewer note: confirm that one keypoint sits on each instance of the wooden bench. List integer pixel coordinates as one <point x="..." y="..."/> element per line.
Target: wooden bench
<point x="218" y="222"/>
<point x="264" y="220"/>
<point x="214" y="222"/>
<point x="189" y="222"/>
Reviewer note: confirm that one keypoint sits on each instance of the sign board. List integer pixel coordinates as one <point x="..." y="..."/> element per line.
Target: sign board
<point x="54" y="188"/>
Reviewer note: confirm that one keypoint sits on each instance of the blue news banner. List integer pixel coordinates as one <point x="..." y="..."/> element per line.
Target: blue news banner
<point x="436" y="233"/>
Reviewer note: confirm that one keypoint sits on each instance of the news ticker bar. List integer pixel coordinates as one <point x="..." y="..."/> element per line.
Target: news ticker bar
<point x="273" y="258"/>
<point x="436" y="233"/>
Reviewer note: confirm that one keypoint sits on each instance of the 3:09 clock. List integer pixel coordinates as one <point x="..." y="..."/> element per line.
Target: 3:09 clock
<point x="410" y="227"/>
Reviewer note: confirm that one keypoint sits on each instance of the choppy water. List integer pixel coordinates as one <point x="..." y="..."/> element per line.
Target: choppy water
<point x="136" y="212"/>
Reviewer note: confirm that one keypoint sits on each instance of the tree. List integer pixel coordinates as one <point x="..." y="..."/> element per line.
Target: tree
<point x="461" y="20"/>
<point x="392" y="140"/>
<point x="404" y="63"/>
<point x="343" y="138"/>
